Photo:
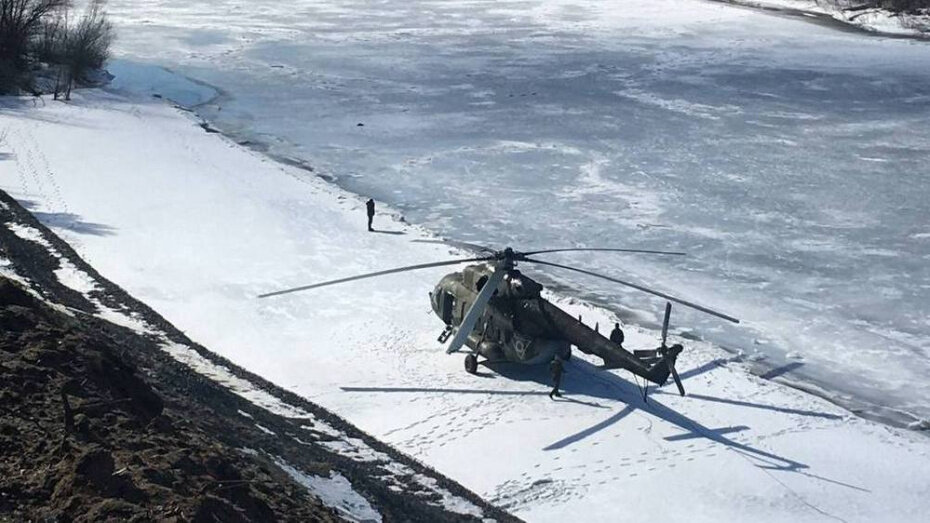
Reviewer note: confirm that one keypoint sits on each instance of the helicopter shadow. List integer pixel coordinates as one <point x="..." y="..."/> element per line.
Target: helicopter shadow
<point x="585" y="379"/>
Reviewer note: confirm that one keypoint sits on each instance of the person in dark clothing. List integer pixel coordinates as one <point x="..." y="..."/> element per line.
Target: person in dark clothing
<point x="370" y="204"/>
<point x="616" y="335"/>
<point x="555" y="368"/>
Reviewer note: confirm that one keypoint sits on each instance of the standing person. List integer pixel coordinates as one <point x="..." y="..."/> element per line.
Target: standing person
<point x="616" y="335"/>
<point x="370" y="204"/>
<point x="555" y="368"/>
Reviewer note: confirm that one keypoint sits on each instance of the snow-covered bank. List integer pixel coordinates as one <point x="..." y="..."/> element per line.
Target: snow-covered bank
<point x="874" y="19"/>
<point x="197" y="226"/>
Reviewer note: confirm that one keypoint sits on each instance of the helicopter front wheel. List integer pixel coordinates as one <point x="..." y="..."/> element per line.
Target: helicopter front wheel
<point x="471" y="363"/>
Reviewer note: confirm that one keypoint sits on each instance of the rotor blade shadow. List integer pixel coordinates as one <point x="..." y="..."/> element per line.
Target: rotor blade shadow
<point x="563" y="399"/>
<point x="835" y="482"/>
<point x="706" y="367"/>
<point x="473" y="391"/>
<point x="740" y="403"/>
<point x="585" y="379"/>
<point x="578" y="436"/>
<point x="691" y="435"/>
<point x="628" y="393"/>
<point x="778" y="371"/>
<point x="450" y="391"/>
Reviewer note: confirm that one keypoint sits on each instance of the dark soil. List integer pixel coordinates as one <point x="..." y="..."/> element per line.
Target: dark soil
<point x="83" y="437"/>
<point x="97" y="422"/>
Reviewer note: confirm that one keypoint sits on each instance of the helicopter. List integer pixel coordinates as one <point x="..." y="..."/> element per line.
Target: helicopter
<point x="498" y="313"/>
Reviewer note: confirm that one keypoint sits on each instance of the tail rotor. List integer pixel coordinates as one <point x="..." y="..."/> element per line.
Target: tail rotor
<point x="670" y="354"/>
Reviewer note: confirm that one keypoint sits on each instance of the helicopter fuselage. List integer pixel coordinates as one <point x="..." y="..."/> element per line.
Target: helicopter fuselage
<point x="519" y="325"/>
<point x="500" y="314"/>
<point x="511" y="328"/>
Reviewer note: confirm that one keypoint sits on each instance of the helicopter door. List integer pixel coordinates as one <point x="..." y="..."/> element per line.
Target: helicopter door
<point x="446" y="306"/>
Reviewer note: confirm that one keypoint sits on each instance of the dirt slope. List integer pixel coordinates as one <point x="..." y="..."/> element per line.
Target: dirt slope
<point x="100" y="422"/>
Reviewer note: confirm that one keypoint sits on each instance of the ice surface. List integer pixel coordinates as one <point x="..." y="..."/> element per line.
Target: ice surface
<point x="196" y="227"/>
<point x="789" y="159"/>
<point x="157" y="81"/>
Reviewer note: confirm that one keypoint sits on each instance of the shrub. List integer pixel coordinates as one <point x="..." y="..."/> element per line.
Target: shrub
<point x="904" y="6"/>
<point x="19" y="22"/>
<point x="81" y="48"/>
<point x="38" y="31"/>
<point x="87" y="44"/>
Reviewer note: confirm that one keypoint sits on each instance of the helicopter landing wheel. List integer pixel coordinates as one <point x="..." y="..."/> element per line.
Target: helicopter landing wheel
<point x="471" y="364"/>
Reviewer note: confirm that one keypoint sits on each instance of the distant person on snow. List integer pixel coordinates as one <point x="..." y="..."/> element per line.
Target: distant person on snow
<point x="616" y="335"/>
<point x="555" y="368"/>
<point x="370" y="204"/>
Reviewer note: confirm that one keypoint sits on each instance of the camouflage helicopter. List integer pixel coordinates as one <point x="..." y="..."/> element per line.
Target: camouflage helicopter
<point x="498" y="313"/>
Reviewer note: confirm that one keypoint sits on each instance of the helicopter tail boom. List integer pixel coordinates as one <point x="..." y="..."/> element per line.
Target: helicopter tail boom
<point x="655" y="365"/>
<point x="591" y="342"/>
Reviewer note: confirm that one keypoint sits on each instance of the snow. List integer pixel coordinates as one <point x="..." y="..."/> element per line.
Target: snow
<point x="72" y="277"/>
<point x="266" y="430"/>
<point x="196" y="227"/>
<point x="6" y="270"/>
<point x="28" y="233"/>
<point x="241" y="387"/>
<point x="342" y="444"/>
<point x="336" y="492"/>
<point x="69" y="275"/>
<point x="874" y="19"/>
<point x="733" y="134"/>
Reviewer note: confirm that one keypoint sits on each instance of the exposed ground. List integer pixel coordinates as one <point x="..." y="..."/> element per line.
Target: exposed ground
<point x="100" y="422"/>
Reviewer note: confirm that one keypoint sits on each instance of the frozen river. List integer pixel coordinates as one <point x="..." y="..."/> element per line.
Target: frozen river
<point x="789" y="159"/>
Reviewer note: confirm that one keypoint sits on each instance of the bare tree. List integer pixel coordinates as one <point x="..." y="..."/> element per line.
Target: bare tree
<point x="19" y="21"/>
<point x="86" y="45"/>
<point x="39" y="31"/>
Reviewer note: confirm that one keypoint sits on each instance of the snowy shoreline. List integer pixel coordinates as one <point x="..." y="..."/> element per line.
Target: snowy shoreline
<point x="877" y="21"/>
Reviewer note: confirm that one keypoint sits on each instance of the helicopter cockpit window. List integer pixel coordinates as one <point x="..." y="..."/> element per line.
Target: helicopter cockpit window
<point x="480" y="283"/>
<point x="447" y="305"/>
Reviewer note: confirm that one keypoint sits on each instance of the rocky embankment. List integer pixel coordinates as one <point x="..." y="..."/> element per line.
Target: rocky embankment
<point x="130" y="420"/>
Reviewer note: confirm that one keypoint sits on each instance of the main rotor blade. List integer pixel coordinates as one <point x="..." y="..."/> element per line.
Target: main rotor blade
<point x="460" y="245"/>
<point x="641" y="288"/>
<point x="476" y="309"/>
<point x="374" y="274"/>
<point x="668" y="314"/>
<point x="641" y="251"/>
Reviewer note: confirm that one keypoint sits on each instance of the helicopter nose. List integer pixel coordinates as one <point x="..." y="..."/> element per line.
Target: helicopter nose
<point x="434" y="299"/>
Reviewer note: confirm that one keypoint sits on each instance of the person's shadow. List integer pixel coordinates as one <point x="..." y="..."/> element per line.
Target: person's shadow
<point x="396" y="233"/>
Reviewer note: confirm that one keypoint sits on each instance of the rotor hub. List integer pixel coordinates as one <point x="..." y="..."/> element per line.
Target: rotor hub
<point x="508" y="258"/>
